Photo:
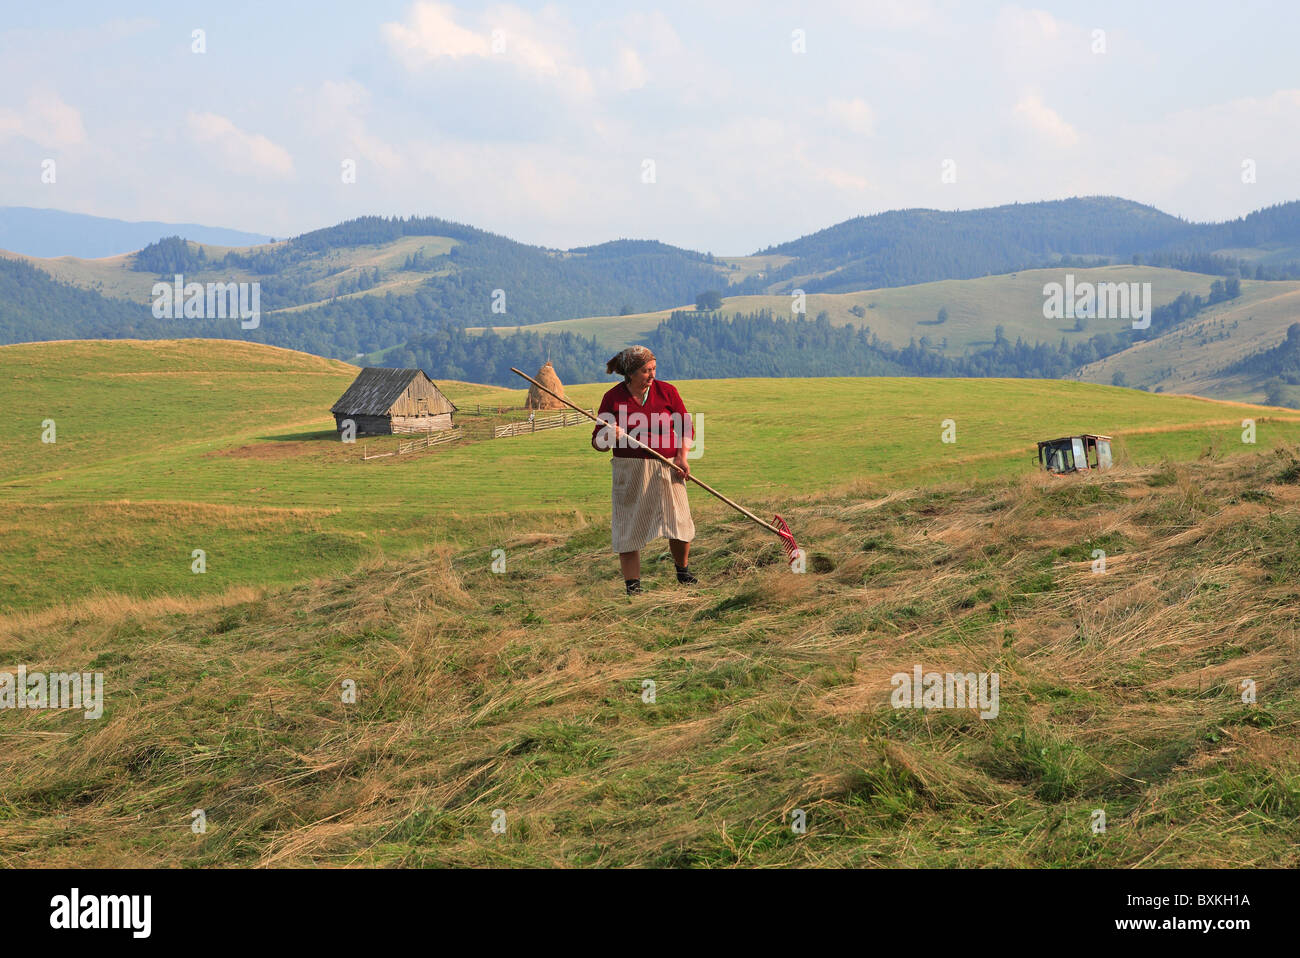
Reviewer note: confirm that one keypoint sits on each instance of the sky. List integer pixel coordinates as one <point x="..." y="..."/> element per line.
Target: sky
<point x="718" y="125"/>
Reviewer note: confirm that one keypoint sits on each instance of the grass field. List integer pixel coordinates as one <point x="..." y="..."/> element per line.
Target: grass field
<point x="899" y="314"/>
<point x="320" y="274"/>
<point x="735" y="269"/>
<point x="170" y="446"/>
<point x="522" y="690"/>
<point x="521" y="698"/>
<point x="1191" y="358"/>
<point x="109" y="276"/>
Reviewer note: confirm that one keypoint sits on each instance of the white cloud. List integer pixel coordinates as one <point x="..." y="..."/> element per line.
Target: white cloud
<point x="648" y="43"/>
<point x="242" y="152"/>
<point x="655" y="32"/>
<point x="495" y="181"/>
<point x="1033" y="43"/>
<point x="432" y="32"/>
<point x="337" y="112"/>
<point x="1199" y="152"/>
<point x="1028" y="27"/>
<point x="842" y="179"/>
<point x="1047" y="122"/>
<point x="631" y="71"/>
<point x="540" y="44"/>
<point x="854" y="116"/>
<point x="47" y="121"/>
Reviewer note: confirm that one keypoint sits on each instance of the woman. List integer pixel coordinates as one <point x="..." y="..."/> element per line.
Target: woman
<point x="649" y="497"/>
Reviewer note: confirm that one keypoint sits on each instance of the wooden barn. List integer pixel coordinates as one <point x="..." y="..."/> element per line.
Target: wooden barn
<point x="382" y="401"/>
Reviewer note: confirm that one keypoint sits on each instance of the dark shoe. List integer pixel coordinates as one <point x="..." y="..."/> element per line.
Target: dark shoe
<point x="633" y="586"/>
<point x="684" y="576"/>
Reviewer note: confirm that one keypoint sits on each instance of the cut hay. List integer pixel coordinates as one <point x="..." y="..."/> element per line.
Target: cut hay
<point x="540" y="400"/>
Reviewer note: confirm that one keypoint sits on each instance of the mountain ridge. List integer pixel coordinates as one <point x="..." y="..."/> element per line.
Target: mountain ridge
<point x="51" y="233"/>
<point x="407" y="287"/>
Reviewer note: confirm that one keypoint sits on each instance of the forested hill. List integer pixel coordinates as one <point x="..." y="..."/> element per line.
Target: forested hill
<point x="713" y="346"/>
<point x="903" y="247"/>
<point x="379" y="283"/>
<point x="34" y="307"/>
<point x="536" y="284"/>
<point x="1273" y="226"/>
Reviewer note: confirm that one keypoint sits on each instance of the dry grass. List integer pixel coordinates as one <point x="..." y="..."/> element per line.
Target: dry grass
<point x="522" y="691"/>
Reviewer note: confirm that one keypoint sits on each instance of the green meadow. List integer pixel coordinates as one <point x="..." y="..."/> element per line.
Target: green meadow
<point x="395" y="713"/>
<point x="901" y="313"/>
<point x="163" y="448"/>
<point x="1193" y="357"/>
<point x="115" y="277"/>
<point x="523" y="689"/>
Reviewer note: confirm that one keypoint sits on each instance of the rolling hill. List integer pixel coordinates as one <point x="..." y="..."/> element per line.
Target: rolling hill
<point x="456" y="268"/>
<point x="905" y="247"/>
<point x="371" y="284"/>
<point x="1196" y="357"/>
<point x="403" y="290"/>
<point x="975" y="307"/>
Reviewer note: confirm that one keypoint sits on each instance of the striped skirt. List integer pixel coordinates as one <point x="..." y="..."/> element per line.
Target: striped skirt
<point x="648" y="504"/>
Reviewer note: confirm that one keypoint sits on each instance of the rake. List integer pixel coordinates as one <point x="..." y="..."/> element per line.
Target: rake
<point x="778" y="525"/>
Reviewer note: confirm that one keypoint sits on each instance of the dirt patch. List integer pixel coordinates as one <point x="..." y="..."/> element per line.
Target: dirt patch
<point x="264" y="450"/>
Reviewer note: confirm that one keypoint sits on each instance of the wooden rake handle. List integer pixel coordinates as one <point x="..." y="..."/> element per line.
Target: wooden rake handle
<point x="707" y="488"/>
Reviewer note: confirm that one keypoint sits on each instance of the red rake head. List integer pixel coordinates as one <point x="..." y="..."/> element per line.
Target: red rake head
<point x="787" y="537"/>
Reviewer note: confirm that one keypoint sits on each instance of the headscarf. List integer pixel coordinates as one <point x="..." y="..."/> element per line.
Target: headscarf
<point x="629" y="361"/>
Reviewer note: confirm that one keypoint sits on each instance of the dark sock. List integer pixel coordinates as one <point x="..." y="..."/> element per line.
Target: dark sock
<point x="633" y="586"/>
<point x="684" y="574"/>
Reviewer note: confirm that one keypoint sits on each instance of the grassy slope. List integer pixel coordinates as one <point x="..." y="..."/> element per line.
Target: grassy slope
<point x="328" y="269"/>
<point x="109" y="276"/>
<point x="975" y="307"/>
<point x="167" y="447"/>
<point x="735" y="269"/>
<point x="113" y="276"/>
<point x="523" y="692"/>
<point x="1191" y="359"/>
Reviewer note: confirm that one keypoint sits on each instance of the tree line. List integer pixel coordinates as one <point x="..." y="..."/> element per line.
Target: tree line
<point x="904" y="247"/>
<point x="760" y="344"/>
<point x="484" y="279"/>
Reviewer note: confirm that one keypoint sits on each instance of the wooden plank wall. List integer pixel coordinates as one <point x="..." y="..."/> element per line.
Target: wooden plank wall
<point x="421" y="388"/>
<point x="383" y="425"/>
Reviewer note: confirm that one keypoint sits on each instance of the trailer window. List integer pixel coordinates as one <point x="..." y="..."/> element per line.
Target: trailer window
<point x="1060" y="457"/>
<point x="1080" y="457"/>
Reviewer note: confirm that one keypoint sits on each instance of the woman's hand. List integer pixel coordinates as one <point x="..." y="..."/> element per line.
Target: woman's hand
<point x="679" y="461"/>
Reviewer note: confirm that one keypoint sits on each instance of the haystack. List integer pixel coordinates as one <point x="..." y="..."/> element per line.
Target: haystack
<point x="540" y="400"/>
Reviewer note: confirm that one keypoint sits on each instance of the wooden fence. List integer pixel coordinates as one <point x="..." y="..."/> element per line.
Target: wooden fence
<point x="539" y="422"/>
<point x="430" y="439"/>
<point x="424" y="442"/>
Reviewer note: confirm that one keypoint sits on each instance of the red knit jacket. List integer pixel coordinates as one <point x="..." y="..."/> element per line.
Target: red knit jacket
<point x="652" y="423"/>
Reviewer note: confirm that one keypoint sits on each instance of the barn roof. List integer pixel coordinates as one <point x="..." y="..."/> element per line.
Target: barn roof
<point x="376" y="389"/>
